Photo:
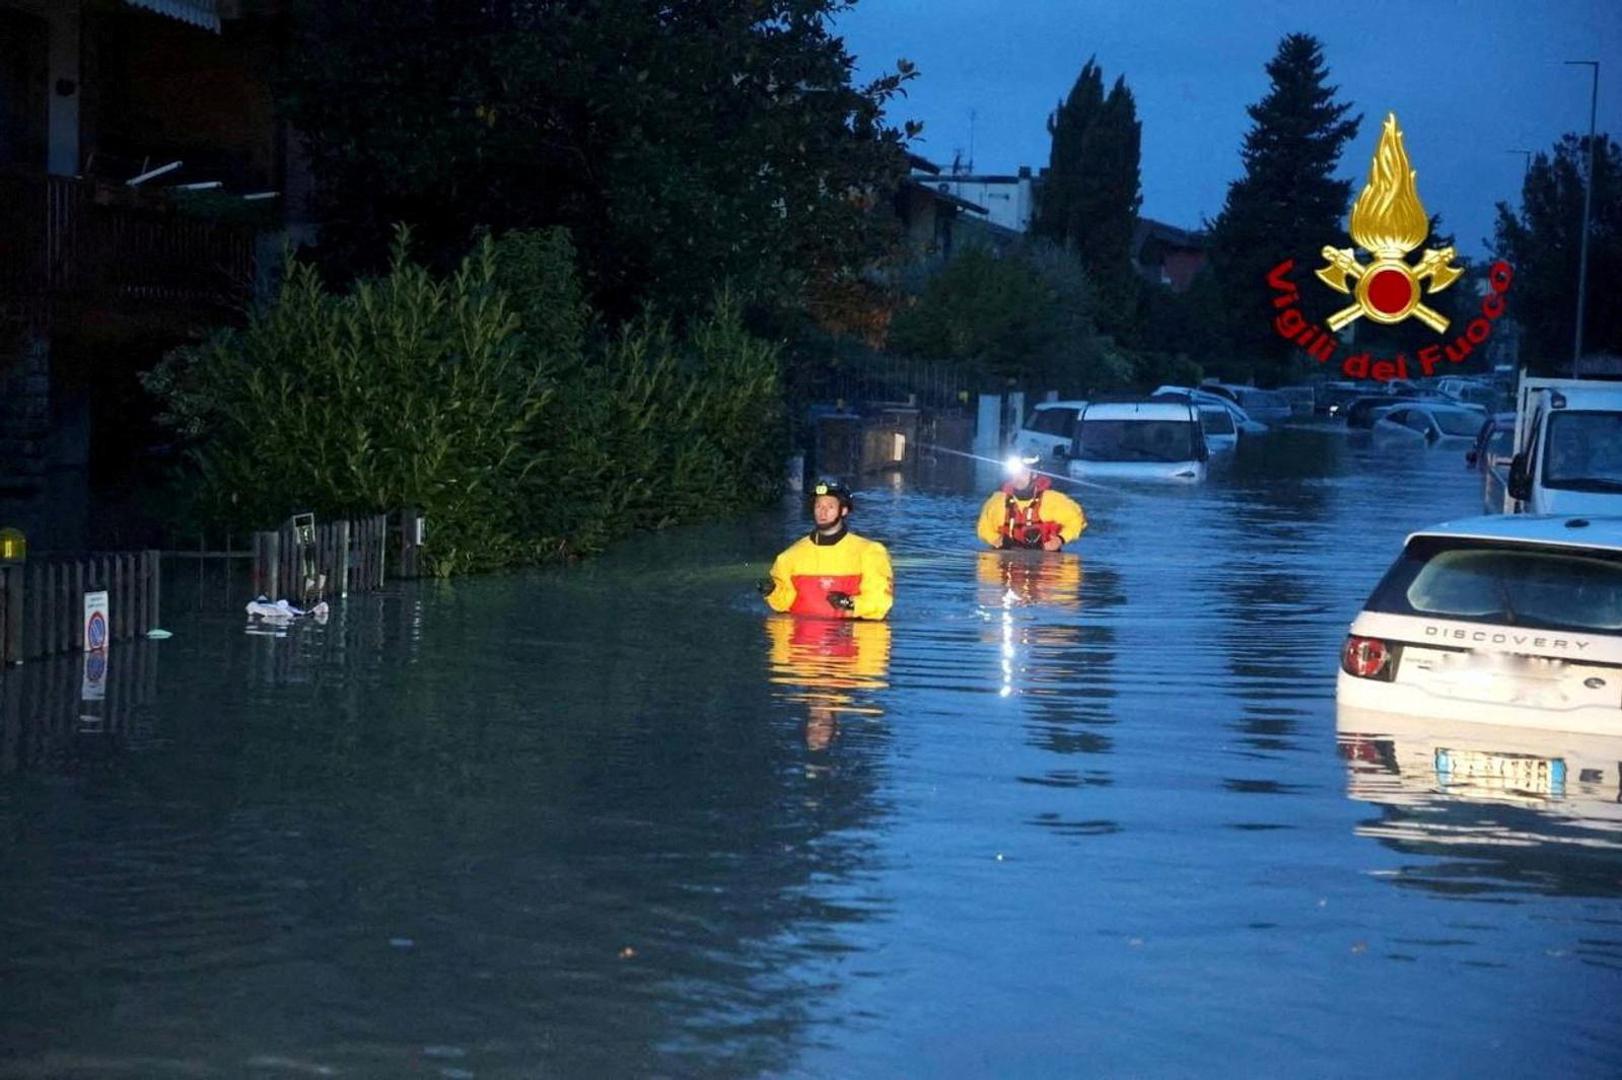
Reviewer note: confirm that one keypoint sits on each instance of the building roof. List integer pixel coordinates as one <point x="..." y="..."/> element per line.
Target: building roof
<point x="1148" y="229"/>
<point x="934" y="191"/>
<point x="922" y="164"/>
<point x="204" y="13"/>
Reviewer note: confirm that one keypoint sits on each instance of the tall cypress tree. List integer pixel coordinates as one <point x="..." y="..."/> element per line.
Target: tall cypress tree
<point x="1288" y="204"/>
<point x="1067" y="128"/>
<point x="1093" y="190"/>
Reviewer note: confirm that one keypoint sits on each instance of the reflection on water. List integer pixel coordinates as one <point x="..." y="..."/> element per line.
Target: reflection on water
<point x="615" y="820"/>
<point x="63" y="713"/>
<point x="1499" y="806"/>
<point x="833" y="667"/>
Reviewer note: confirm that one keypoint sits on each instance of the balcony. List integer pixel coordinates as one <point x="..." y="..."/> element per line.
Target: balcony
<point x="91" y="244"/>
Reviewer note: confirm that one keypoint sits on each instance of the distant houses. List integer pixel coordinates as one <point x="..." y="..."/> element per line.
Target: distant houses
<point x="941" y="208"/>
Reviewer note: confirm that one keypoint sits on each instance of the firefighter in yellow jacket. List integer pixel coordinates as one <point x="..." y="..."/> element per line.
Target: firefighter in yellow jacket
<point x="1027" y="513"/>
<point x="831" y="572"/>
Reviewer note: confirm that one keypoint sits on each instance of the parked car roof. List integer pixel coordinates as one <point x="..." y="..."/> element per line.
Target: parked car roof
<point x="1163" y="407"/>
<point x="1564" y="530"/>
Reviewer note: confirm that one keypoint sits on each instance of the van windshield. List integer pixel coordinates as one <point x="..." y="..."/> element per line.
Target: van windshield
<point x="1584" y="451"/>
<point x="1135" y="440"/>
<point x="1541" y="588"/>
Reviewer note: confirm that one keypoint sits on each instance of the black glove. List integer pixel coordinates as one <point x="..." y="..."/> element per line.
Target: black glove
<point x="765" y="586"/>
<point x="840" y="600"/>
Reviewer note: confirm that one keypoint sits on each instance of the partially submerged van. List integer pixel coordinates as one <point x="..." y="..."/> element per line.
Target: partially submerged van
<point x="1154" y="438"/>
<point x="1568" y="448"/>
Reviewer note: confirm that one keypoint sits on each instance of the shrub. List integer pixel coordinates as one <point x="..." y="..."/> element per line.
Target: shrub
<point x="479" y="398"/>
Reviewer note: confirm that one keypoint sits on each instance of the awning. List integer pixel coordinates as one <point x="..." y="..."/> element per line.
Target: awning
<point x="204" y="13"/>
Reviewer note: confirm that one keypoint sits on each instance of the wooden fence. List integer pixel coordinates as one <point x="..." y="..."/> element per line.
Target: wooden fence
<point x="329" y="561"/>
<point x="42" y="601"/>
<point x="63" y="710"/>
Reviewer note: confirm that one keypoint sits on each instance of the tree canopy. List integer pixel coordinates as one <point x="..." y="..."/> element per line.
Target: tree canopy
<point x="1093" y="190"/>
<point x="1543" y="242"/>
<point x="684" y="146"/>
<point x="1287" y="204"/>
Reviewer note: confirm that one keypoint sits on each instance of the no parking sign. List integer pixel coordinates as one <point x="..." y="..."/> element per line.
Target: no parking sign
<point x="95" y="621"/>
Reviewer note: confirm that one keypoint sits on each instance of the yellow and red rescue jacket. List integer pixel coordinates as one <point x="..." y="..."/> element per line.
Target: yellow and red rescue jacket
<point x="1006" y="520"/>
<point x="814" y="566"/>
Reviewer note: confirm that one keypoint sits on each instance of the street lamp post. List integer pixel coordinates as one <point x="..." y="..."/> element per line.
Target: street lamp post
<point x="1588" y="202"/>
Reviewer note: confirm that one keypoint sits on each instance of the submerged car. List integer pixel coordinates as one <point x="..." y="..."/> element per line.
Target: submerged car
<point x="1503" y="619"/>
<point x="1491" y="455"/>
<point x="1247" y="424"/>
<point x="1154" y="438"/>
<point x="1268" y="406"/>
<point x="1364" y="412"/>
<point x="1333" y="397"/>
<point x="1050" y="428"/>
<point x="1221" y="433"/>
<point x="1432" y="425"/>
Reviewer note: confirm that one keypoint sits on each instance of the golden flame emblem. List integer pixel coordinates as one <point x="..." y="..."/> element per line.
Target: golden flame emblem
<point x="1389" y="221"/>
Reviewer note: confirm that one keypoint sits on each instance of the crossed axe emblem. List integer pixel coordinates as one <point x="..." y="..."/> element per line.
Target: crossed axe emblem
<point x="1434" y="267"/>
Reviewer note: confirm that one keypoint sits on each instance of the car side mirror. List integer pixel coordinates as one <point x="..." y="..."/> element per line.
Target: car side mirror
<point x="1061" y="451"/>
<point x="1519" y="483"/>
<point x="1470" y="458"/>
<point x="1431" y="435"/>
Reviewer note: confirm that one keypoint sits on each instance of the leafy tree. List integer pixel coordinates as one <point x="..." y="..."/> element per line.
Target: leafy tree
<point x="1287" y="204"/>
<point x="1543" y="242"/>
<point x="1093" y="191"/>
<point x="1025" y="314"/>
<point x="683" y="145"/>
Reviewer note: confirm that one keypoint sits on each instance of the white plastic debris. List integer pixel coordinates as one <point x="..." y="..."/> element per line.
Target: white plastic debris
<point x="159" y="635"/>
<point x="281" y="613"/>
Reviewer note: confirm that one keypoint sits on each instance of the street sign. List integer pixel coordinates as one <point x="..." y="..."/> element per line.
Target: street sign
<point x="96" y="631"/>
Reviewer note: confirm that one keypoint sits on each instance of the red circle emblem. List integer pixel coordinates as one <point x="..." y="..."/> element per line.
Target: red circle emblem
<point x="1390" y="292"/>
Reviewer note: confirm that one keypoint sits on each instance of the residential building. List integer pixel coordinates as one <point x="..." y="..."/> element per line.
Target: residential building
<point x="1009" y="201"/>
<point x="142" y="166"/>
<point x="1167" y="255"/>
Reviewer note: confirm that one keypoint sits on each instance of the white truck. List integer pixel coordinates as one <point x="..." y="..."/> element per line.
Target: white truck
<point x="1568" y="448"/>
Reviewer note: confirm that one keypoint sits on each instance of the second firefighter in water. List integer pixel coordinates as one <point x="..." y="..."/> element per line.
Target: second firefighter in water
<point x="1026" y="512"/>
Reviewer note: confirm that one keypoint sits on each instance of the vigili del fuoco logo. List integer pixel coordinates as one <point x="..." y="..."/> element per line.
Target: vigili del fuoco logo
<point x="1389" y="222"/>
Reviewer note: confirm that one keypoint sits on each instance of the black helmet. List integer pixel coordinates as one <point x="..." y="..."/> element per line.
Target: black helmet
<point x="834" y="488"/>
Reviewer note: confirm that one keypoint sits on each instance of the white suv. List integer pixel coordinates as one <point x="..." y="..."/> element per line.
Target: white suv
<point x="1499" y="619"/>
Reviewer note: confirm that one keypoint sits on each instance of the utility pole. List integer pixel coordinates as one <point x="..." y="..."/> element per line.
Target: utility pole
<point x="1588" y="202"/>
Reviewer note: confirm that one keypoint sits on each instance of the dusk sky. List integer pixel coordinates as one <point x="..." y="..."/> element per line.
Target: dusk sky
<point x="1468" y="82"/>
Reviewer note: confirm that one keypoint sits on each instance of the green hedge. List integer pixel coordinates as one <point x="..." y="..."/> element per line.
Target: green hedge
<point x="487" y="398"/>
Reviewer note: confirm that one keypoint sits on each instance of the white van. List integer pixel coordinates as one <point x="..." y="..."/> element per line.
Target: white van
<point x="1049" y="429"/>
<point x="1568" y="448"/>
<point x="1153" y="438"/>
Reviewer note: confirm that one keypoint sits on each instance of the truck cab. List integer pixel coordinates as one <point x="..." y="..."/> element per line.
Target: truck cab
<point x="1568" y="448"/>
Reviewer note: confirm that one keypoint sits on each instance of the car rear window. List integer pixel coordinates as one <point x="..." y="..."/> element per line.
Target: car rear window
<point x="1056" y="421"/>
<point x="1540" y="588"/>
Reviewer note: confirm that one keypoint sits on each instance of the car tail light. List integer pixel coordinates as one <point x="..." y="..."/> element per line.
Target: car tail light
<point x="1368" y="658"/>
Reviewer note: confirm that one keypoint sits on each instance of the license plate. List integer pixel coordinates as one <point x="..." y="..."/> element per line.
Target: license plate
<point x="1510" y="679"/>
<point x="1479" y="772"/>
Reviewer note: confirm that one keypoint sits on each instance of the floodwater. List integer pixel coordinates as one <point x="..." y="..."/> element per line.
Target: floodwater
<point x="1085" y="815"/>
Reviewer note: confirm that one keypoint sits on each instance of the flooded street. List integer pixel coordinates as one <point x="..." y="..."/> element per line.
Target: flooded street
<point x="1078" y="815"/>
